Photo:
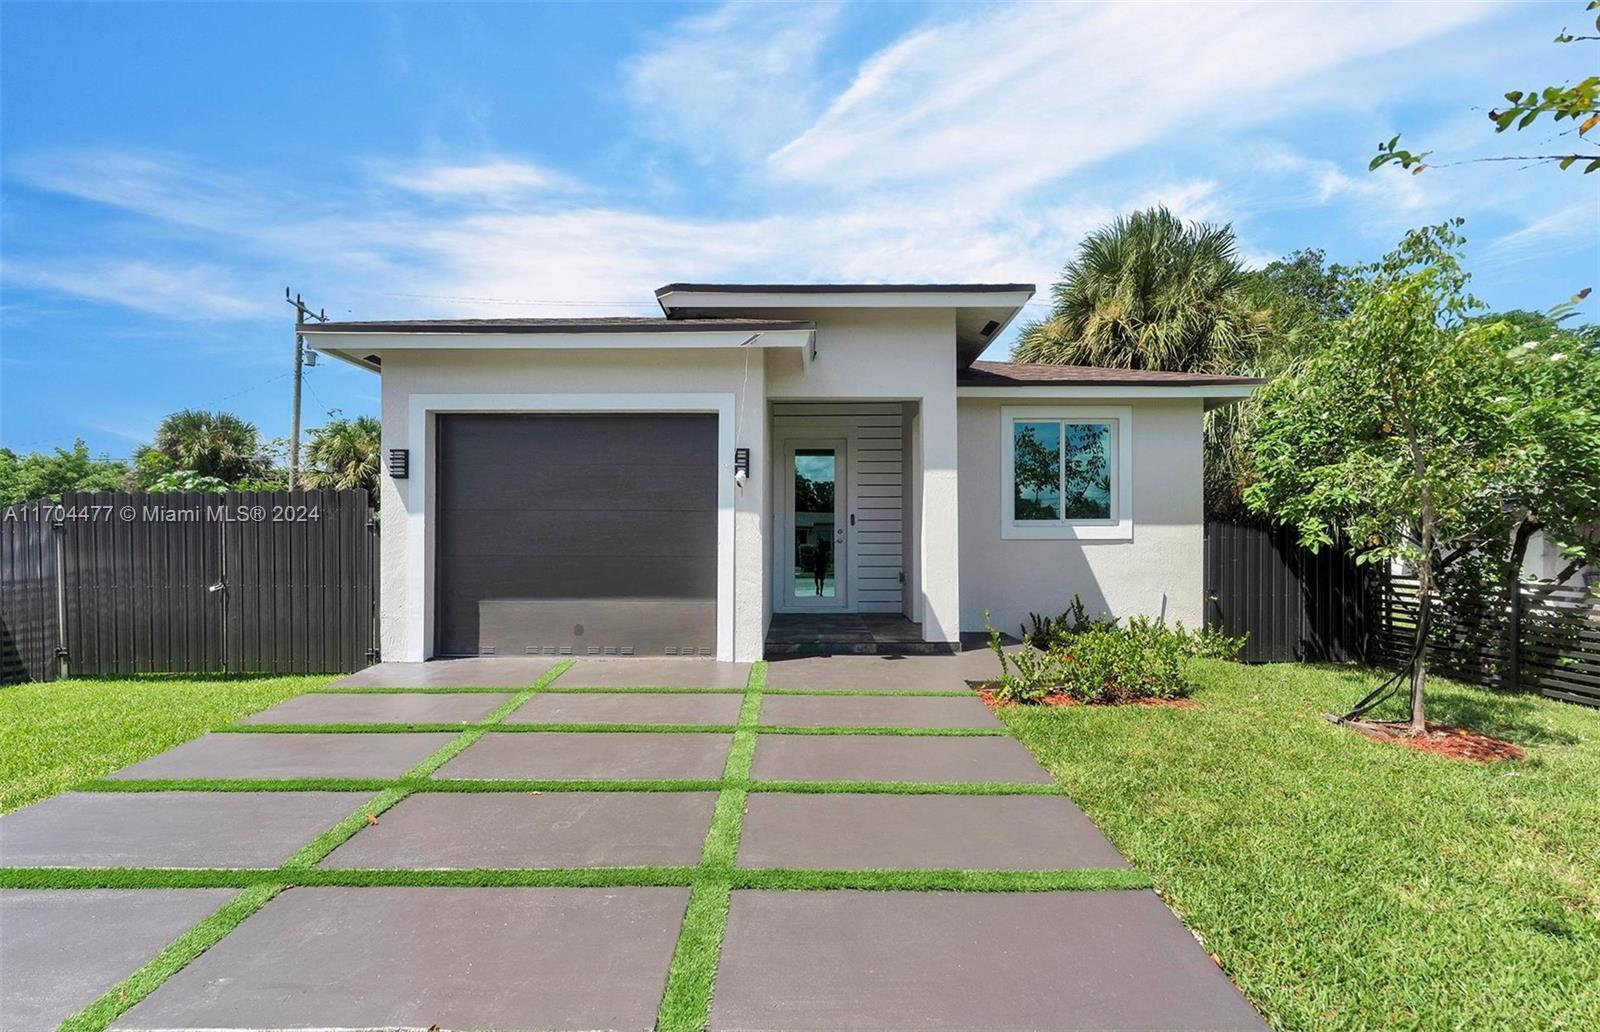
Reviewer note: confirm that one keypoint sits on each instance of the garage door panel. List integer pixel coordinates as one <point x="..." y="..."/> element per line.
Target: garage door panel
<point x="581" y="486"/>
<point x="582" y="533"/>
<point x="500" y="577"/>
<point x="519" y="444"/>
<point x="550" y="524"/>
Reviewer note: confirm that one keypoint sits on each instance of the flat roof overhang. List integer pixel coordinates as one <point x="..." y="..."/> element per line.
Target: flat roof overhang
<point x="983" y="310"/>
<point x="1214" y="395"/>
<point x="362" y="343"/>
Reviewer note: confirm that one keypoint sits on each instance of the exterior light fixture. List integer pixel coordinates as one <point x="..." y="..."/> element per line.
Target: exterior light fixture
<point x="399" y="463"/>
<point x="741" y="465"/>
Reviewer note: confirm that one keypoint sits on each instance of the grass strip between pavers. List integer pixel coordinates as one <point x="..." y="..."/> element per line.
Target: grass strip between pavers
<point x="920" y="693"/>
<point x="591" y="728"/>
<point x="355" y="877"/>
<point x="207" y="933"/>
<point x="997" y="788"/>
<point x="1071" y="879"/>
<point x="691" y="977"/>
<point x="237" y="785"/>
<point x="686" y="1002"/>
<point x="573" y="785"/>
<point x="296" y="870"/>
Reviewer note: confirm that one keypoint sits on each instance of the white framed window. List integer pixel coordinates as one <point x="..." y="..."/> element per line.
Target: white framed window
<point x="1066" y="472"/>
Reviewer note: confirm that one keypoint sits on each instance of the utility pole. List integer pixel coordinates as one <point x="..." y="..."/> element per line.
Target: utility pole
<point x="301" y="314"/>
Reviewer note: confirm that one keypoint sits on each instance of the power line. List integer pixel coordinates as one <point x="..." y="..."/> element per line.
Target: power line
<point x="254" y="386"/>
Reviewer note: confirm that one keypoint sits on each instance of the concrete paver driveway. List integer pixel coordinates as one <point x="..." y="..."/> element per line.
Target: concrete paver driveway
<point x="573" y="847"/>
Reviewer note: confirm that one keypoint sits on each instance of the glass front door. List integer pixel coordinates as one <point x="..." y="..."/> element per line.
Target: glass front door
<point x="814" y="506"/>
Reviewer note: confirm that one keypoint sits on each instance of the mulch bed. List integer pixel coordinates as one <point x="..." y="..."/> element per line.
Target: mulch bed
<point x="991" y="698"/>
<point x="1456" y="743"/>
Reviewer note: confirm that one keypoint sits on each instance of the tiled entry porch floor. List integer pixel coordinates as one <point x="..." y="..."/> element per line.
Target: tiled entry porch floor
<point x="732" y="866"/>
<point x="843" y="634"/>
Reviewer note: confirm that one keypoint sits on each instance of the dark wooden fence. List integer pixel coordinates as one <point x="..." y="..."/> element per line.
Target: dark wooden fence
<point x="110" y="583"/>
<point x="1522" y="637"/>
<point x="1291" y="603"/>
<point x="1296" y="605"/>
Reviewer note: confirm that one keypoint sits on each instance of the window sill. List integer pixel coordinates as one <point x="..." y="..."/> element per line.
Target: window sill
<point x="1121" y="531"/>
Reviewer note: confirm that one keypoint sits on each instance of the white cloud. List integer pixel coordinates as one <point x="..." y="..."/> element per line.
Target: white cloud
<point x="1009" y="98"/>
<point x="734" y="82"/>
<point x="959" y="151"/>
<point x="190" y="292"/>
<point x="494" y="179"/>
<point x="1554" y="231"/>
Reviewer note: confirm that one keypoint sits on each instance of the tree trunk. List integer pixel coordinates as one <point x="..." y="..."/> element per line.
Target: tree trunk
<point x="1419" y="671"/>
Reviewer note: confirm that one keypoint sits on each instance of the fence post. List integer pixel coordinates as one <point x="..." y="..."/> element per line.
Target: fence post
<point x="1514" y="634"/>
<point x="58" y="547"/>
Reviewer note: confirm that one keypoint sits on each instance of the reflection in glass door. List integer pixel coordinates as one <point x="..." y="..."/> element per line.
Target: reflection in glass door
<point x="814" y="505"/>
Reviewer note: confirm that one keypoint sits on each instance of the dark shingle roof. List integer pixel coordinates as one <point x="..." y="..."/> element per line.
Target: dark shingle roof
<point x="1027" y="374"/>
<point x="597" y="324"/>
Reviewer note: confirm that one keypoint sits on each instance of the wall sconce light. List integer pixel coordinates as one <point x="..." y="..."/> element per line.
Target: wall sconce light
<point x="741" y="465"/>
<point x="399" y="463"/>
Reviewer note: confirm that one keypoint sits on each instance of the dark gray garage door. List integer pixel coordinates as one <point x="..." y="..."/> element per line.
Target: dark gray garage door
<point x="580" y="535"/>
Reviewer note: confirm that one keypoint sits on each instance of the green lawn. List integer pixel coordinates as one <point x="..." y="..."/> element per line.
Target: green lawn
<point x="1347" y="883"/>
<point x="57" y="734"/>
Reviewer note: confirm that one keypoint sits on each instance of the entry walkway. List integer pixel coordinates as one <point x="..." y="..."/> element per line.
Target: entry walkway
<point x="849" y="843"/>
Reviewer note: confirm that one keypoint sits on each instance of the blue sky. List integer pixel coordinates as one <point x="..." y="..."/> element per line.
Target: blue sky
<point x="167" y="170"/>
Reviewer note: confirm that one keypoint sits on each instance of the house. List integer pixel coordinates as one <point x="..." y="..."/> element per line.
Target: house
<point x="769" y="455"/>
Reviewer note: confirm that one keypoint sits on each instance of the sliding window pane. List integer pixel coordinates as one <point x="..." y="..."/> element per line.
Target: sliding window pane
<point x="1087" y="477"/>
<point x="1036" y="470"/>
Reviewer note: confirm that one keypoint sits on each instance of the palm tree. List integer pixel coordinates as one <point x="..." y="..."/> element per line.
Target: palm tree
<point x="344" y="455"/>
<point x="1148" y="292"/>
<point x="212" y="444"/>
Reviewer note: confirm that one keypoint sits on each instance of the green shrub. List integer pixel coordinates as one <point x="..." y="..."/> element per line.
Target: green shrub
<point x="1209" y="643"/>
<point x="1095" y="660"/>
<point x="1109" y="664"/>
<point x="1050" y="629"/>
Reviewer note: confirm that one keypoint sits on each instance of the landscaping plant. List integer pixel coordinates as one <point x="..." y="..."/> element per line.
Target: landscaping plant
<point x="1096" y="660"/>
<point x="1428" y="437"/>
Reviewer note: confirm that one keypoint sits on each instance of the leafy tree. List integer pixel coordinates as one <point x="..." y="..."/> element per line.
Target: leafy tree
<point x="1298" y="302"/>
<point x="1549" y="397"/>
<point x="1421" y="436"/>
<point x="211" y="444"/>
<point x="1575" y="102"/>
<point x="343" y="454"/>
<point x="39" y="475"/>
<point x="1147" y="292"/>
<point x="186" y="480"/>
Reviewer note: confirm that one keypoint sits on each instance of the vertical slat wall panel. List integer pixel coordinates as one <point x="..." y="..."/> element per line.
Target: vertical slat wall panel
<point x="29" y="625"/>
<point x="1290" y="603"/>
<point x="297" y="595"/>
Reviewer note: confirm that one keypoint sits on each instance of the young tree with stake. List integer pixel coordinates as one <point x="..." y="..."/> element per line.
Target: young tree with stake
<point x="1421" y="435"/>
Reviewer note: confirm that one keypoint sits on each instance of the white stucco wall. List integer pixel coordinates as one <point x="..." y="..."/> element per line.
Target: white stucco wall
<point x="735" y="374"/>
<point x="1160" y="572"/>
<point x="898" y="355"/>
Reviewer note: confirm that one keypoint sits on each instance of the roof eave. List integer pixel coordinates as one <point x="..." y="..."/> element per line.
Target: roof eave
<point x="1214" y="395"/>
